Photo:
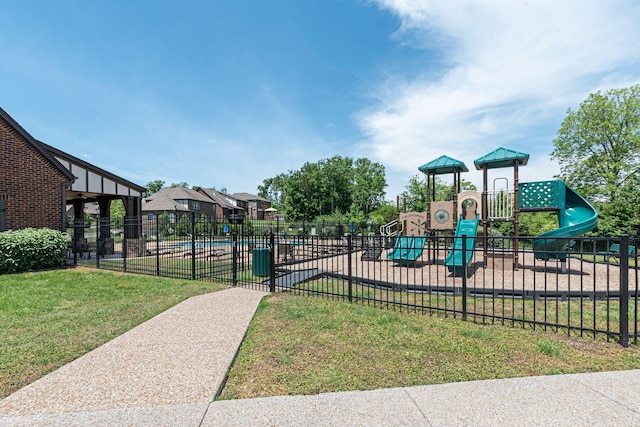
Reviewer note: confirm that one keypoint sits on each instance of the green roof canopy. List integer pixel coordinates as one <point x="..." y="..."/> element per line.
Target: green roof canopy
<point x="501" y="158"/>
<point x="443" y="164"/>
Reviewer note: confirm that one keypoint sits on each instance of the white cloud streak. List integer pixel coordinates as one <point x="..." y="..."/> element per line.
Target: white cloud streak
<point x="512" y="70"/>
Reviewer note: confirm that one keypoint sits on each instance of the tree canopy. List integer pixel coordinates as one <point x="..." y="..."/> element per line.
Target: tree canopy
<point x="415" y="194"/>
<point x="154" y="186"/>
<point x="337" y="184"/>
<point x="598" y="148"/>
<point x="598" y="145"/>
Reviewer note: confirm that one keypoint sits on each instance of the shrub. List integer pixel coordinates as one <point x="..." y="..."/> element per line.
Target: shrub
<point x="31" y="249"/>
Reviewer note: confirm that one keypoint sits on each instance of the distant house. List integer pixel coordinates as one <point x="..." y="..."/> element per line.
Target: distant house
<point x="226" y="206"/>
<point x="38" y="181"/>
<point x="90" y="210"/>
<point x="178" y="201"/>
<point x="256" y="206"/>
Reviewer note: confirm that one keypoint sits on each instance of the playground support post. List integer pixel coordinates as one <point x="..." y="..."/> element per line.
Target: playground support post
<point x="516" y="214"/>
<point x="456" y="189"/>
<point x="485" y="213"/>
<point x="464" y="278"/>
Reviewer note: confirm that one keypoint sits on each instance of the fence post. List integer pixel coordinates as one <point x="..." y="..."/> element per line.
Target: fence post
<point x="193" y="246"/>
<point x="272" y="269"/>
<point x="234" y="255"/>
<point x="75" y="242"/>
<point x="98" y="223"/>
<point x="624" y="290"/>
<point x="464" y="277"/>
<point x="349" y="272"/>
<point x="157" y="244"/>
<point x="123" y="243"/>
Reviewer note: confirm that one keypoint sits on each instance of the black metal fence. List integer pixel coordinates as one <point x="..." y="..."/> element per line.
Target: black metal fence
<point x="584" y="286"/>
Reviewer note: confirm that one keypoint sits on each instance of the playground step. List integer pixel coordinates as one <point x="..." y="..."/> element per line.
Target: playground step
<point x="372" y="254"/>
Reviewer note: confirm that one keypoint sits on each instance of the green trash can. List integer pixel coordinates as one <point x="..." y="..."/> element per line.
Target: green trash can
<point x="261" y="262"/>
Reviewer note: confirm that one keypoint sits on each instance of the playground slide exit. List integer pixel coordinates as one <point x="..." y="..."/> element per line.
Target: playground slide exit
<point x="465" y="227"/>
<point x="576" y="216"/>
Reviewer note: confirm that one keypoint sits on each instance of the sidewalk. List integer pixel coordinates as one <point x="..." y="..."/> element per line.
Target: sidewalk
<point x="166" y="372"/>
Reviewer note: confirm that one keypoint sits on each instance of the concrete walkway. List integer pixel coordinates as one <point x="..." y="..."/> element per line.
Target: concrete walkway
<point x="167" y="371"/>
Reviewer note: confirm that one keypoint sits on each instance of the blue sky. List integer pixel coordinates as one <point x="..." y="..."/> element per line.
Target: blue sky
<point x="227" y="93"/>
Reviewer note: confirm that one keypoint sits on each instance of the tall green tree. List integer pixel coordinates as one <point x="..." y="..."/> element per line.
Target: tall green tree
<point x="415" y="194"/>
<point x="368" y="186"/>
<point x="274" y="189"/>
<point x="598" y="145"/>
<point x="117" y="210"/>
<point x="334" y="185"/>
<point x="154" y="186"/>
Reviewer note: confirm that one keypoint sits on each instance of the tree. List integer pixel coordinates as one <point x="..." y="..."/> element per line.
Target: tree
<point x="203" y="226"/>
<point x="183" y="228"/>
<point x="598" y="146"/>
<point x="334" y="185"/>
<point x="384" y="214"/>
<point x="415" y="194"/>
<point x="117" y="210"/>
<point x="622" y="216"/>
<point x="179" y="184"/>
<point x="154" y="186"/>
<point x="368" y="187"/>
<point x="274" y="190"/>
<point x="165" y="227"/>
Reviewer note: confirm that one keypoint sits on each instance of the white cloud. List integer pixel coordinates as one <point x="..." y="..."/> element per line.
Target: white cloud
<point x="513" y="68"/>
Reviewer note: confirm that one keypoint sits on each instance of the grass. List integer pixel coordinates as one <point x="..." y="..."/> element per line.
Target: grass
<point x="594" y="316"/>
<point x="48" y="319"/>
<point x="295" y="345"/>
<point x="306" y="345"/>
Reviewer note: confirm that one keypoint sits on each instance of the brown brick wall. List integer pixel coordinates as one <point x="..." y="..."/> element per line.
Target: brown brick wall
<point x="30" y="185"/>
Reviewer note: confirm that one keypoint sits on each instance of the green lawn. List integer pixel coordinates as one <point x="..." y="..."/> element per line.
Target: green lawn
<point x="295" y="345"/>
<point x="307" y="345"/>
<point x="50" y="318"/>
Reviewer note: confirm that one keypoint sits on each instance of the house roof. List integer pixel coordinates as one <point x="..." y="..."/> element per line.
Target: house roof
<point x="163" y="203"/>
<point x="37" y="145"/>
<point x="501" y="158"/>
<point x="442" y="165"/>
<point x="179" y="193"/>
<point x="219" y="199"/>
<point x="249" y="197"/>
<point x="89" y="208"/>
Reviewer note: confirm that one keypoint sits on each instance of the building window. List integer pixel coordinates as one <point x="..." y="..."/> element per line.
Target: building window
<point x="150" y="217"/>
<point x="172" y="217"/>
<point x="195" y="205"/>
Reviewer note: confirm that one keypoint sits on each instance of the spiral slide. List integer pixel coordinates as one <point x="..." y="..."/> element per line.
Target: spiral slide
<point x="576" y="216"/>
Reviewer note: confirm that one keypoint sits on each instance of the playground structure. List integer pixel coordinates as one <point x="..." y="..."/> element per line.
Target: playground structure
<point x="467" y="210"/>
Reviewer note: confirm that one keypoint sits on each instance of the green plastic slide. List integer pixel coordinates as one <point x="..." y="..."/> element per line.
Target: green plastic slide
<point x="465" y="227"/>
<point x="407" y="249"/>
<point x="576" y="216"/>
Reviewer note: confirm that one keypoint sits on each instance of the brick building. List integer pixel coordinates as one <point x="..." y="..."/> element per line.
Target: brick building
<point x="37" y="182"/>
<point x="255" y="206"/>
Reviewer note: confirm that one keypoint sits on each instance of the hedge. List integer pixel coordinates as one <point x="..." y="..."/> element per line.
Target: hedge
<point x="31" y="249"/>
